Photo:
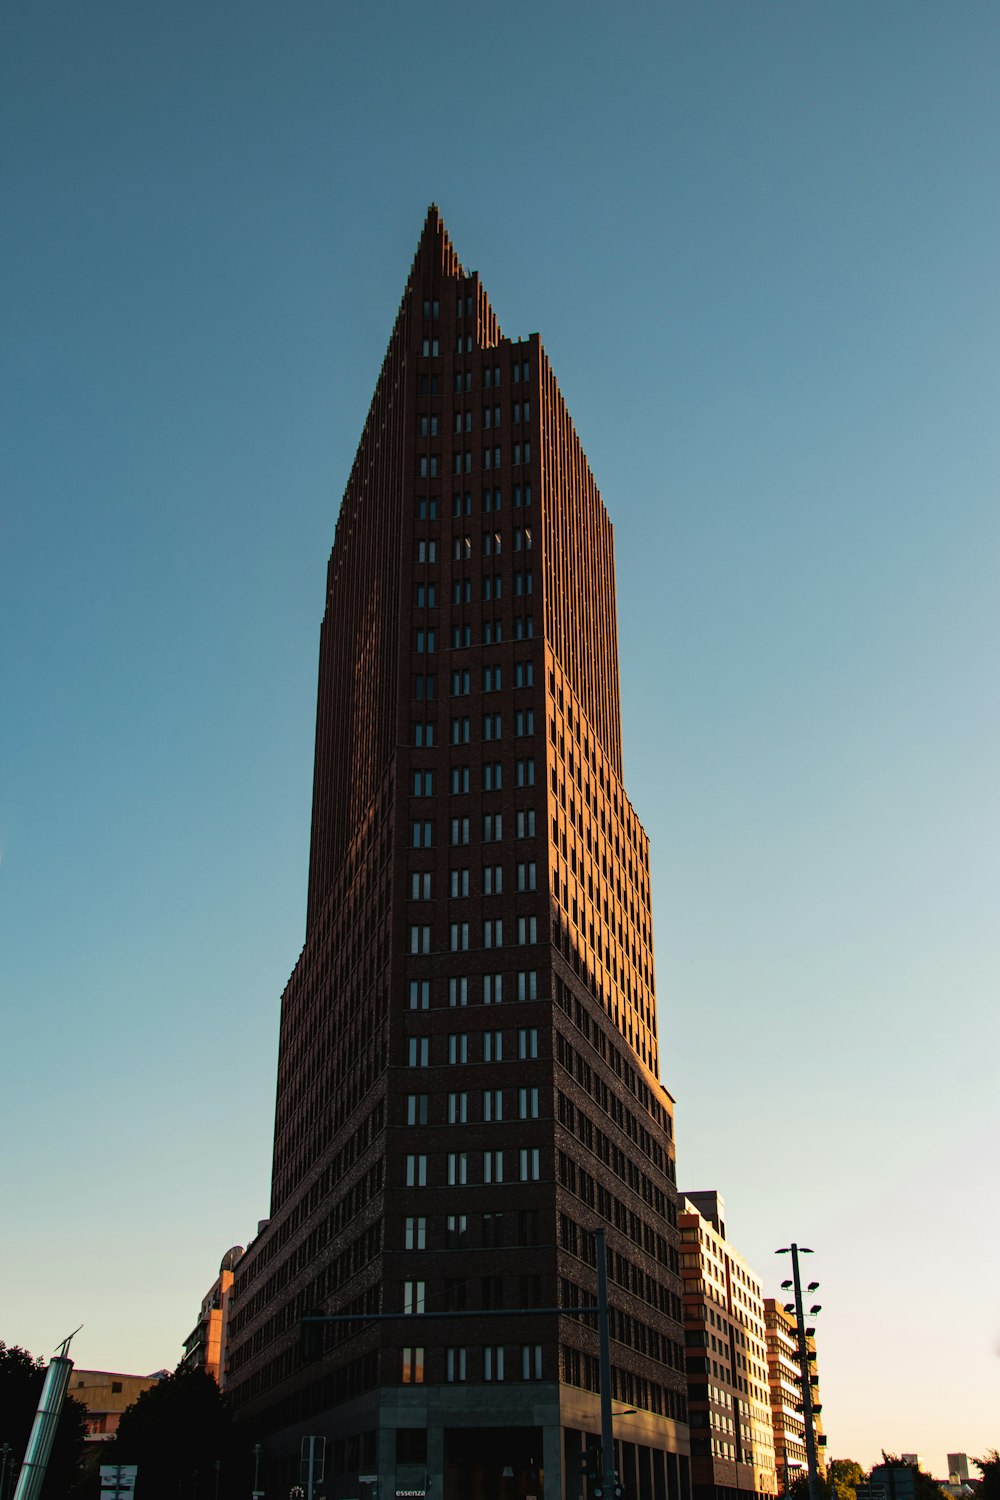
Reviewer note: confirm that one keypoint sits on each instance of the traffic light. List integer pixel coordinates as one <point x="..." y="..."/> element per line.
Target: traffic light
<point x="311" y="1337"/>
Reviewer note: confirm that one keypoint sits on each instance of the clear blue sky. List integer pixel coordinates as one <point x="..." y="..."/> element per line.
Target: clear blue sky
<point x="760" y="241"/>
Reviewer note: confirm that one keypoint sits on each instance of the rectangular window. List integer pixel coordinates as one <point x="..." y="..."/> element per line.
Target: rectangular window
<point x="420" y="885"/>
<point x="456" y="1231"/>
<point x="458" y="1047"/>
<point x="492" y="1167"/>
<point x="527" y="1104"/>
<point x="492" y="776"/>
<point x="531" y="1361"/>
<point x="461" y="591"/>
<point x="459" y="780"/>
<point x="420" y="994"/>
<point x="458" y="883"/>
<point x="416" y="1109"/>
<point x="527" y="930"/>
<point x="493" y="932"/>
<point x="526" y="823"/>
<point x="458" y="937"/>
<point x="455" y="1365"/>
<point x="492" y="727"/>
<point x="493" y="1235"/>
<point x="492" y="989"/>
<point x="527" y="876"/>
<point x="458" y="1168"/>
<point x="491" y="679"/>
<point x="458" y="1109"/>
<point x="423" y="783"/>
<point x="492" y="1046"/>
<point x="414" y="1293"/>
<point x="524" y="628"/>
<point x="420" y="939"/>
<point x="524" y="674"/>
<point x="458" y="990"/>
<point x="492" y="1362"/>
<point x="492" y="1106"/>
<point x="415" y="1234"/>
<point x="527" y="984"/>
<point x="417" y="1051"/>
<point x="461" y="636"/>
<point x="423" y="734"/>
<point x="460" y="731"/>
<point x="492" y="828"/>
<point x="422" y="835"/>
<point x="416" y="1171"/>
<point x="461" y="684"/>
<point x="413" y="1357"/>
<point x="427" y="551"/>
<point x="459" y="831"/>
<point x="527" y="1042"/>
<point x="524" y="721"/>
<point x="492" y="880"/>
<point x="530" y="1164"/>
<point x="525" y="770"/>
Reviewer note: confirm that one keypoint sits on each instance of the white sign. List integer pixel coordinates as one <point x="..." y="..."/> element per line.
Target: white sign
<point x="118" y="1481"/>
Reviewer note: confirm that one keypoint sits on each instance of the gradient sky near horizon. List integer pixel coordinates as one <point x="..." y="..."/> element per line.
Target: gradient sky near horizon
<point x="761" y="244"/>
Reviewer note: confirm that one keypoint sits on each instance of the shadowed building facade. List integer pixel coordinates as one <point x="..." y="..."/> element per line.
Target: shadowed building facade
<point x="468" y="1076"/>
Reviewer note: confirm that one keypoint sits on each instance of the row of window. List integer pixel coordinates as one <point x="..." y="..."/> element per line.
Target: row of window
<point x="458" y="935"/>
<point x="422" y="829"/>
<point x="429" y="424"/>
<point x="417" y="1106"/>
<point x="430" y="385"/>
<point x="521" y="985"/>
<point x="492" y="1047"/>
<point x="461" y="505"/>
<point x="525" y="874"/>
<point x="497" y="1362"/>
<point x="429" y="464"/>
<point x="461" y="546"/>
<point x="458" y="1165"/>
<point x="425" y="644"/>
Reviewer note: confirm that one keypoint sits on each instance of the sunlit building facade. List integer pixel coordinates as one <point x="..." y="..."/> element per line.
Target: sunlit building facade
<point x="732" y="1440"/>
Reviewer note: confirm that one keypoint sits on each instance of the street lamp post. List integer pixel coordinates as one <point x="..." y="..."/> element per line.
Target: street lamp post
<point x="795" y="1251"/>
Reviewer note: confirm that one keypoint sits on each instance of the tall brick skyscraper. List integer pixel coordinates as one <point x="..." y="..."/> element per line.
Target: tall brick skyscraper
<point x="468" y="1071"/>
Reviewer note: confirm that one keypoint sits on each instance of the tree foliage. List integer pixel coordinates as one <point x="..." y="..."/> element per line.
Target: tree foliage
<point x="21" y="1379"/>
<point x="177" y="1432"/>
<point x="989" y="1467"/>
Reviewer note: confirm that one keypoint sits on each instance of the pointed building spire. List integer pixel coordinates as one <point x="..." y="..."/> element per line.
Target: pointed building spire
<point x="436" y="255"/>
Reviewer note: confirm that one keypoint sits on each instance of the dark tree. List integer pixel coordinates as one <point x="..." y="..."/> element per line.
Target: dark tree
<point x="989" y="1467"/>
<point x="177" y="1432"/>
<point x="21" y="1378"/>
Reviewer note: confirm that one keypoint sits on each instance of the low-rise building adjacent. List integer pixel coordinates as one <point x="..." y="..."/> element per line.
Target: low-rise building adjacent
<point x="732" y="1444"/>
<point x="785" y="1381"/>
<point x="106" y="1394"/>
<point x="205" y="1345"/>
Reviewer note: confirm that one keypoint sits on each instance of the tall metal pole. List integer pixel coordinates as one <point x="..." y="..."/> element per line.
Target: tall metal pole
<point x="604" y="1335"/>
<point x="807" y="1402"/>
<point x="43" y="1431"/>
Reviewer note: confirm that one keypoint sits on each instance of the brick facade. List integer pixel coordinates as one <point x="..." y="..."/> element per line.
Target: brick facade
<point x="468" y="1077"/>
